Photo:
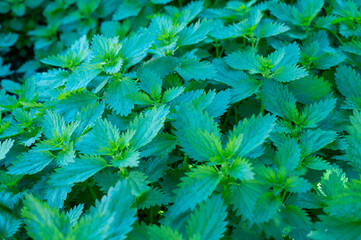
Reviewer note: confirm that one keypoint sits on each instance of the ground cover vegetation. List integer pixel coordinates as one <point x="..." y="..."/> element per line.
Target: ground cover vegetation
<point x="160" y="119"/>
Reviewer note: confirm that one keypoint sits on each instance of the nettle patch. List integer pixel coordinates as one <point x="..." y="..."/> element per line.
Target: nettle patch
<point x="180" y="120"/>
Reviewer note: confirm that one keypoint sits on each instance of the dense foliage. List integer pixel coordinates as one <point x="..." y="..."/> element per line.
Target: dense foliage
<point x="160" y="119"/>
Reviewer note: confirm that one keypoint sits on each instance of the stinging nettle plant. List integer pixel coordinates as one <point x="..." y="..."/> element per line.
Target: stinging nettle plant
<point x="159" y="119"/>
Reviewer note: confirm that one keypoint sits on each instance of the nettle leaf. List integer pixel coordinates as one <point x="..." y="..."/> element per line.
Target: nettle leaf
<point x="81" y="77"/>
<point x="254" y="131"/>
<point x="196" y="187"/>
<point x="5" y="147"/>
<point x="197" y="133"/>
<point x="103" y="139"/>
<point x="284" y="105"/>
<point x="195" y="33"/>
<point x="9" y="225"/>
<point x="348" y="81"/>
<point x="31" y="162"/>
<point x="301" y="14"/>
<point x="352" y="47"/>
<point x="127" y="9"/>
<point x="72" y="57"/>
<point x="116" y="95"/>
<point x="243" y="197"/>
<point x="299" y="220"/>
<point x="213" y="210"/>
<point x="273" y="204"/>
<point x="315" y="139"/>
<point x="41" y="221"/>
<point x="242" y="85"/>
<point x="118" y="204"/>
<point x="162" y="232"/>
<point x="241" y="169"/>
<point x="79" y="171"/>
<point x="105" y="52"/>
<point x="317" y="112"/>
<point x="147" y="126"/>
<point x="171" y="93"/>
<point x="193" y="68"/>
<point x="135" y="48"/>
<point x="152" y="197"/>
<point x="150" y="82"/>
<point x="268" y="28"/>
<point x="244" y="60"/>
<point x="288" y="155"/>
<point x="310" y="89"/>
<point x="280" y="65"/>
<point x="69" y="106"/>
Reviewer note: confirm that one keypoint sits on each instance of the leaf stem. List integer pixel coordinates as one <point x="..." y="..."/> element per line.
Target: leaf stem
<point x="185" y="162"/>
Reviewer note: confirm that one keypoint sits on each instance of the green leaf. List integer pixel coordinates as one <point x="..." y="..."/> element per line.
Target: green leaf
<point x="103" y="139"/>
<point x="244" y="60"/>
<point x="352" y="47"/>
<point x="285" y="103"/>
<point x="116" y="96"/>
<point x="5" y="147"/>
<point x="219" y="104"/>
<point x="195" y="69"/>
<point x="8" y="40"/>
<point x="73" y="103"/>
<point x="348" y="81"/>
<point x="196" y="186"/>
<point x="314" y="140"/>
<point x="310" y="89"/>
<point x="9" y="225"/>
<point x="299" y="221"/>
<point x="161" y="145"/>
<point x="345" y="205"/>
<point x="87" y="117"/>
<point x="135" y="48"/>
<point x="147" y="126"/>
<point x="117" y="204"/>
<point x="262" y="214"/>
<point x="289" y="73"/>
<point x="72" y="57"/>
<point x="215" y="213"/>
<point x="127" y="9"/>
<point x="297" y="184"/>
<point x="195" y="33"/>
<point x="255" y="131"/>
<point x="81" y="77"/>
<point x="31" y="162"/>
<point x="335" y="228"/>
<point x="128" y="158"/>
<point x="41" y="221"/>
<point x="316" y="163"/>
<point x="172" y="93"/>
<point x="153" y="197"/>
<point x="243" y="197"/>
<point x="318" y="111"/>
<point x="242" y="85"/>
<point x="163" y="233"/>
<point x="332" y="182"/>
<point x="197" y="134"/>
<point x="328" y="60"/>
<point x="267" y="28"/>
<point x="114" y="28"/>
<point x="288" y="155"/>
<point x="161" y="65"/>
<point x="79" y="171"/>
<point x="150" y="82"/>
<point x="241" y="169"/>
<point x="56" y="195"/>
